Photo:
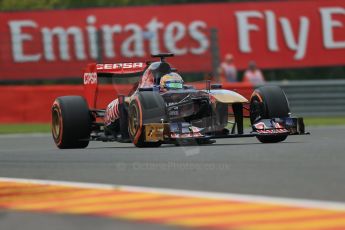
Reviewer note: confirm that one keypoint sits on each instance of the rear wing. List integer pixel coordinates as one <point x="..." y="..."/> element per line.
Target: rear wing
<point x="93" y="71"/>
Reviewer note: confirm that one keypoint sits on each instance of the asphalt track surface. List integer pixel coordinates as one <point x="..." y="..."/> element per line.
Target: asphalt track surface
<point x="307" y="167"/>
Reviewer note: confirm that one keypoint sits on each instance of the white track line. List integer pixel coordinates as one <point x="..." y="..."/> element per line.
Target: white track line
<point x="302" y="203"/>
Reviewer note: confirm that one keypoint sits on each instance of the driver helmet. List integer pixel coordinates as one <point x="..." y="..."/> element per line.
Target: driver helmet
<point x="171" y="81"/>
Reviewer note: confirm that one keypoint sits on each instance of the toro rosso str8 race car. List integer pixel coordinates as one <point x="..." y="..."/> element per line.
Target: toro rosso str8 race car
<point x="161" y="109"/>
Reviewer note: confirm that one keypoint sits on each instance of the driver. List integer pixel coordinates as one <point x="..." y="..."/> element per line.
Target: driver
<point x="170" y="81"/>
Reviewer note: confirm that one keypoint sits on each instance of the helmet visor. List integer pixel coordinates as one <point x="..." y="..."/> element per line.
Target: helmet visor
<point x="173" y="85"/>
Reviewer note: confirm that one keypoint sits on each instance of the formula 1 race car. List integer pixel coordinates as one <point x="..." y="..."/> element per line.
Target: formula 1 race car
<point x="151" y="115"/>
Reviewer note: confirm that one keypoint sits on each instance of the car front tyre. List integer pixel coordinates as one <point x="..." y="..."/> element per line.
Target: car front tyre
<point x="269" y="102"/>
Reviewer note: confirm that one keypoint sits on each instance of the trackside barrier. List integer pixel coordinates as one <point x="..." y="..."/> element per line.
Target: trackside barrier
<point x="31" y="103"/>
<point x="20" y="104"/>
<point x="25" y="104"/>
<point x="316" y="97"/>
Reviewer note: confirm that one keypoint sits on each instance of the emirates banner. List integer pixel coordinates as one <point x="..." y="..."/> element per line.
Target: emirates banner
<point x="282" y="34"/>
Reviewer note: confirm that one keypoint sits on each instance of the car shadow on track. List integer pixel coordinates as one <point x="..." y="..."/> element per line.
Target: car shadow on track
<point x="163" y="146"/>
<point x="258" y="143"/>
<point x="205" y="145"/>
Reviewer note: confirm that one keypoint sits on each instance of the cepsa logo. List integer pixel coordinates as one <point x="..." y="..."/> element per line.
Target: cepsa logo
<point x="90" y="78"/>
<point x="115" y="66"/>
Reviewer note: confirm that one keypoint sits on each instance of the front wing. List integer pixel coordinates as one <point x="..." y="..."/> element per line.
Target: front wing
<point x="264" y="127"/>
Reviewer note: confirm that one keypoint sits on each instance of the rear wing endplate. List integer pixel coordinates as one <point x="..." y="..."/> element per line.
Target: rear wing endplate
<point x="93" y="71"/>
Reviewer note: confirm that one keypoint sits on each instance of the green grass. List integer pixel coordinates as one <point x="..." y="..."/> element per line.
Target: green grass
<point x="322" y="121"/>
<point x="45" y="127"/>
<point x="24" y="128"/>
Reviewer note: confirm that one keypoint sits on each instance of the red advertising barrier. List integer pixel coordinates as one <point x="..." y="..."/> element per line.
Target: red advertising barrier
<point x="276" y="34"/>
<point x="31" y="103"/>
<point x="22" y="104"/>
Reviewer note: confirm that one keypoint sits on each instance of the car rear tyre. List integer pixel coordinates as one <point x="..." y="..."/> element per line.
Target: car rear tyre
<point x="147" y="107"/>
<point x="71" y="122"/>
<point x="269" y="102"/>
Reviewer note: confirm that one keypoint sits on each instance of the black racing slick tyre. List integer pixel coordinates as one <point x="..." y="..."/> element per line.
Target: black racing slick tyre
<point x="71" y="122"/>
<point x="146" y="107"/>
<point x="269" y="102"/>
